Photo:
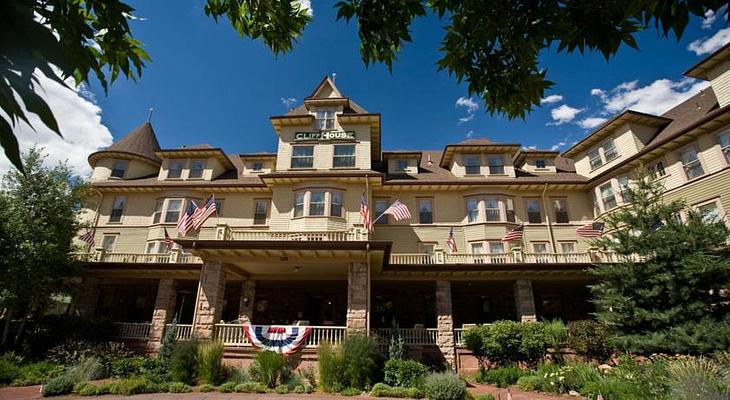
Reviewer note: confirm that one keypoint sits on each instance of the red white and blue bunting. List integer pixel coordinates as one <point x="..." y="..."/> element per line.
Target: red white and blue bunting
<point x="281" y="339"/>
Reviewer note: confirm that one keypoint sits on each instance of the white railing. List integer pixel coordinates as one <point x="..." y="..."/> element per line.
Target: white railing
<point x="226" y="233"/>
<point x="133" y="330"/>
<point x="419" y="259"/>
<point x="411" y="336"/>
<point x="187" y="258"/>
<point x="457" y="336"/>
<point x="182" y="331"/>
<point x="232" y="335"/>
<point x="557" y="258"/>
<point x="515" y="257"/>
<point x="467" y="258"/>
<point x="174" y="257"/>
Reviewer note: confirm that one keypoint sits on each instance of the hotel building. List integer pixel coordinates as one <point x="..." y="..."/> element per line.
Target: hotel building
<point x="288" y="244"/>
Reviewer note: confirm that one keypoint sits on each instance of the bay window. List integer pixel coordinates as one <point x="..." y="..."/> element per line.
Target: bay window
<point x="710" y="212"/>
<point x="316" y="203"/>
<point x="491" y="207"/>
<point x="623" y="186"/>
<point x="299" y="204"/>
<point x="261" y="211"/>
<point x="335" y="204"/>
<point x="472" y="210"/>
<point x="510" y="210"/>
<point x="344" y="156"/>
<point x="691" y="163"/>
<point x="604" y="153"/>
<point x="302" y="157"/>
<point x="157" y="214"/>
<point x="172" y="214"/>
<point x="723" y="140"/>
<point x="657" y="170"/>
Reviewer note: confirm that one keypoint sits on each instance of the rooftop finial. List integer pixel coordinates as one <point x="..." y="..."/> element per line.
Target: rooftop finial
<point x="149" y="117"/>
<point x="334" y="77"/>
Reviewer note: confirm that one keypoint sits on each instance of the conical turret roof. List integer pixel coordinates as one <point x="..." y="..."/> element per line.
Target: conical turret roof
<point x="141" y="142"/>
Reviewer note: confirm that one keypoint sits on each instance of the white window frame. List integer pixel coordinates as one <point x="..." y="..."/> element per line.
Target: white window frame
<point x="472" y="214"/>
<point x="104" y="244"/>
<point x="496" y="165"/>
<point x="325" y="119"/>
<point x="468" y="164"/>
<point x="157" y="212"/>
<point x="535" y="244"/>
<point x="560" y="207"/>
<point x="299" y="158"/>
<point x="594" y="158"/>
<point x="300" y="206"/>
<point x="718" y="205"/>
<point x="350" y="158"/>
<point x="725" y="150"/>
<point x="204" y="166"/>
<point x="421" y="202"/>
<point x="114" y="208"/>
<point x="609" y="185"/>
<point x="167" y="211"/>
<point x="256" y="214"/>
<point x="332" y="195"/>
<point x="170" y="168"/>
<point x="609" y="147"/>
<point x="658" y="169"/>
<point x="539" y="209"/>
<point x="697" y="162"/>
<point x="574" y="246"/>
<point x="623" y="186"/>
<point x="491" y="210"/>
<point x="305" y="206"/>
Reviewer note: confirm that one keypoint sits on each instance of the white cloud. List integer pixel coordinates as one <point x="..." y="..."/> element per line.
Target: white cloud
<point x="79" y="119"/>
<point x="288" y="101"/>
<point x="555" y="147"/>
<point x="307" y="5"/>
<point x="469" y="134"/>
<point x="655" y="98"/>
<point x="471" y="108"/>
<point x="591" y="122"/>
<point x="553" y="98"/>
<point x="563" y="114"/>
<point x="708" y="45"/>
<point x="711" y="17"/>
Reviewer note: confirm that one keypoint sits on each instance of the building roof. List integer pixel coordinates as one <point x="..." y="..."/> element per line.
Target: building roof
<point x="139" y="143"/>
<point x="702" y="68"/>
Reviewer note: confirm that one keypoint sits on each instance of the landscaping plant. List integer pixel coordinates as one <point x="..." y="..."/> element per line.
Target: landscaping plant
<point x="184" y="362"/>
<point x="444" y="386"/>
<point x="589" y="339"/>
<point x="210" y="362"/>
<point x="268" y="368"/>
<point x="404" y="373"/>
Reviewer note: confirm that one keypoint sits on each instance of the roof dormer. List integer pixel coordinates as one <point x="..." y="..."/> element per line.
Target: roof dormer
<point x="479" y="158"/>
<point x="193" y="163"/>
<point x="536" y="161"/>
<point x="716" y="69"/>
<point x="402" y="162"/>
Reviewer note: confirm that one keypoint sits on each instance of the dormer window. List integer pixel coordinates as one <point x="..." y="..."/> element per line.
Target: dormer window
<point x="609" y="151"/>
<point x="197" y="167"/>
<point x="302" y="157"/>
<point x="540" y="164"/>
<point x="175" y="169"/>
<point x="496" y="165"/>
<point x="120" y="168"/>
<point x="603" y="154"/>
<point x="258" y="166"/>
<point x="325" y="119"/>
<point x="401" y="165"/>
<point x="472" y="164"/>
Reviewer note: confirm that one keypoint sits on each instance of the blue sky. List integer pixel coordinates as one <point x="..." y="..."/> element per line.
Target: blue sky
<point x="208" y="85"/>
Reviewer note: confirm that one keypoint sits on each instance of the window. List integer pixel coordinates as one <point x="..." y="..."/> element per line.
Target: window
<point x="594" y="156"/>
<point x="335" y="204"/>
<point x="299" y="204"/>
<point x="316" y="203"/>
<point x="477" y="249"/>
<point x="302" y="157"/>
<point x="344" y="156"/>
<point x="623" y="186"/>
<point x="609" y="151"/>
<point x="401" y="165"/>
<point x="325" y="119"/>
<point x="219" y="208"/>
<point x="108" y="242"/>
<point x="608" y="197"/>
<point x="380" y="207"/>
<point x="258" y="166"/>
<point x="261" y="211"/>
<point x="425" y="211"/>
<point x="172" y="214"/>
<point x="196" y="169"/>
<point x="150" y="247"/>
<point x="472" y="164"/>
<point x="120" y="168"/>
<point x="117" y="209"/>
<point x="496" y="248"/>
<point x="157" y="214"/>
<point x="496" y="165"/>
<point x="491" y="206"/>
<point x="691" y="163"/>
<point x="567" y="247"/>
<point x="533" y="211"/>
<point x="724" y="140"/>
<point x="174" y="170"/>
<point x="560" y="206"/>
<point x="540" y="164"/>
<point x="710" y="212"/>
<point x="510" y="210"/>
<point x="540" y="248"/>
<point x="426" y="248"/>
<point x="657" y="170"/>
<point x="472" y="210"/>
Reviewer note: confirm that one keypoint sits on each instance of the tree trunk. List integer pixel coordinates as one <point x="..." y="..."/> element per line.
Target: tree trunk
<point x="6" y="329"/>
<point x="21" y="327"/>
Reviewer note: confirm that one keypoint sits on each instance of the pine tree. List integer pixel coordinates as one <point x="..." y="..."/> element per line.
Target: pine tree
<point x="676" y="299"/>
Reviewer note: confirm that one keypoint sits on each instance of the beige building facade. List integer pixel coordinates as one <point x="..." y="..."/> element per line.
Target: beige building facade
<point x="288" y="244"/>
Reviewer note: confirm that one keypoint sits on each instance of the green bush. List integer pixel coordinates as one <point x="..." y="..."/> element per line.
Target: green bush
<point x="309" y="374"/>
<point x="210" y="362"/>
<point x="86" y="389"/>
<point x="444" y="386"/>
<point x="577" y="375"/>
<point x="184" y="361"/>
<point x="236" y="375"/>
<point x="206" y="388"/>
<point x="405" y="373"/>
<point x="268" y="368"/>
<point x="88" y="369"/>
<point x="179" y="387"/>
<point x="132" y="386"/>
<point x="557" y="333"/>
<point x="502" y="377"/>
<point x="384" y="390"/>
<point x="509" y="342"/>
<point x="250" y="387"/>
<point x="58" y="386"/>
<point x="331" y="368"/>
<point x="589" y="339"/>
<point x="350" y="392"/>
<point x="50" y="330"/>
<point x="529" y="383"/>
<point x="37" y="373"/>
<point x="228" y="387"/>
<point x="71" y="353"/>
<point x="137" y="366"/>
<point x="8" y="371"/>
<point x="361" y="358"/>
<point x="281" y="389"/>
<point x="699" y="378"/>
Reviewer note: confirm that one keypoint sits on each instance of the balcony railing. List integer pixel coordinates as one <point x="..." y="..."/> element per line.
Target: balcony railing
<point x="174" y="257"/>
<point x="411" y="336"/>
<point x="133" y="330"/>
<point x="223" y="232"/>
<point x="232" y="335"/>
<point x="515" y="257"/>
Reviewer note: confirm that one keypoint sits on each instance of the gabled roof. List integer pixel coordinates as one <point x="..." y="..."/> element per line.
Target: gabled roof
<point x="141" y="143"/>
<point x="200" y="151"/>
<point x="521" y="155"/>
<point x="324" y="84"/>
<point x="476" y="145"/>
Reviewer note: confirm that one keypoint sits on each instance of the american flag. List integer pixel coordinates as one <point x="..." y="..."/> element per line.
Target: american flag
<point x="204" y="212"/>
<point x="367" y="220"/>
<point x="514" y="234"/>
<point x="451" y="242"/>
<point x="591" y="230"/>
<point x="168" y="240"/>
<point x="186" y="219"/>
<point x="88" y="237"/>
<point x="398" y="210"/>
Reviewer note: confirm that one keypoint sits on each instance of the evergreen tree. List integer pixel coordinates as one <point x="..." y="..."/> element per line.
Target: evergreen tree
<point x="676" y="299"/>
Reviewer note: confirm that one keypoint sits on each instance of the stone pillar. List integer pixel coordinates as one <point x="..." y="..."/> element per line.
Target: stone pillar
<point x="445" y="323"/>
<point x="248" y="297"/>
<point x="209" y="300"/>
<point x="357" y="297"/>
<point x="87" y="297"/>
<point x="163" y="314"/>
<point x="524" y="301"/>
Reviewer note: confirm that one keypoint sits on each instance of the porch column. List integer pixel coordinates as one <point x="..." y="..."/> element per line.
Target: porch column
<point x="357" y="297"/>
<point x="445" y="323"/>
<point x="248" y="296"/>
<point x="525" y="301"/>
<point x="209" y="300"/>
<point x="86" y="297"/>
<point x="164" y="311"/>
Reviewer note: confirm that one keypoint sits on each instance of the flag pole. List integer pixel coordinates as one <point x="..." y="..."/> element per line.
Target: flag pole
<point x="383" y="213"/>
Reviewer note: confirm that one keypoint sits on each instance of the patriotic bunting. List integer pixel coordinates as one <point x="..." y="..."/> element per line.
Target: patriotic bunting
<point x="280" y="339"/>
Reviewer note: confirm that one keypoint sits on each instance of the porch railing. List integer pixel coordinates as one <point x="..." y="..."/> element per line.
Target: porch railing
<point x="174" y="256"/>
<point x="411" y="336"/>
<point x="182" y="331"/>
<point x="514" y="257"/>
<point x="457" y="336"/>
<point x="133" y="330"/>
<point x="232" y="335"/>
<point x="223" y="232"/>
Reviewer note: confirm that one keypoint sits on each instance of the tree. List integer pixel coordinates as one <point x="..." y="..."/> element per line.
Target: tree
<point x="675" y="300"/>
<point x="492" y="45"/>
<point x="37" y="225"/>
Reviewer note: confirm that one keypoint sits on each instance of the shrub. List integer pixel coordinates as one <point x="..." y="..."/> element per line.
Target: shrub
<point x="8" y="371"/>
<point x="577" y="375"/>
<point x="350" y="392"/>
<point x="508" y="342"/>
<point x="228" y="387"/>
<point x="51" y="330"/>
<point x="589" y="339"/>
<point x="310" y="374"/>
<point x="58" y="386"/>
<point x="72" y="352"/>
<point x="250" y="387"/>
<point x="360" y="356"/>
<point x="331" y="368"/>
<point x="502" y="377"/>
<point x="184" y="361"/>
<point x="206" y="388"/>
<point x="529" y="383"/>
<point x="210" y="362"/>
<point x="281" y="389"/>
<point x="136" y="366"/>
<point x="268" y="368"/>
<point x="445" y="386"/>
<point x="179" y="387"/>
<point x="534" y="342"/>
<point x="86" y="389"/>
<point x="128" y="387"/>
<point x="37" y="373"/>
<point x="405" y="373"/>
<point x="168" y="344"/>
<point x="699" y="378"/>
<point x="302" y="389"/>
<point x="237" y="375"/>
<point x="396" y="345"/>
<point x="88" y="369"/>
<point x="383" y="390"/>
